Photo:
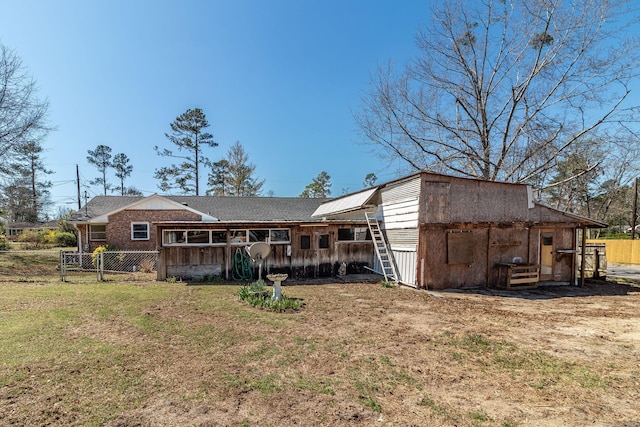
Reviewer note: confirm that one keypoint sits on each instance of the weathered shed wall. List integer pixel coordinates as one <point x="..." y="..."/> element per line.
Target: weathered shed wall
<point x="314" y="251"/>
<point x="470" y="255"/>
<point x="453" y="258"/>
<point x="452" y="200"/>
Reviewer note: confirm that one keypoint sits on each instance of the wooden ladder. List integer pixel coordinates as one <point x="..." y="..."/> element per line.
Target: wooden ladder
<point x="382" y="249"/>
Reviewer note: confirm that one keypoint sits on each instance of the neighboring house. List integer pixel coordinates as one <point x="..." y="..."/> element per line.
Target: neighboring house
<point x="14" y="229"/>
<point x="202" y="235"/>
<point x="448" y="232"/>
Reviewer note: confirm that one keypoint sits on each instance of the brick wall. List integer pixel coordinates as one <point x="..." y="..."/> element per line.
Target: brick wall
<point x="119" y="227"/>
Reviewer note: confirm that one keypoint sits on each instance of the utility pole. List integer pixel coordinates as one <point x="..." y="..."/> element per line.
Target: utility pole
<point x="78" y="182"/>
<point x="635" y="209"/>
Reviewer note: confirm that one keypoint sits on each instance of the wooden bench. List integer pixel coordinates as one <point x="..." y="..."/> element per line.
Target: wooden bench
<point x="518" y="276"/>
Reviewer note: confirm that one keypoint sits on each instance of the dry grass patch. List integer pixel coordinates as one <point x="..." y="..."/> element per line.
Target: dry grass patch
<point x="140" y="353"/>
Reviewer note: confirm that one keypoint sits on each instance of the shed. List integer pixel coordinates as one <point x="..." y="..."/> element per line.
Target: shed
<point x="450" y="232"/>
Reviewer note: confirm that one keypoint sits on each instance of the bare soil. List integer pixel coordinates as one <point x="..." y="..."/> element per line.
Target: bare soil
<point x="365" y="355"/>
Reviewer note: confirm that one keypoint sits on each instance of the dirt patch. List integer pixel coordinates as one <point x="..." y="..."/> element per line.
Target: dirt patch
<point x="443" y="383"/>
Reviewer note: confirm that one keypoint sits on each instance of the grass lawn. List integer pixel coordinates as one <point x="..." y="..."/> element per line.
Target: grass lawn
<point x="125" y="353"/>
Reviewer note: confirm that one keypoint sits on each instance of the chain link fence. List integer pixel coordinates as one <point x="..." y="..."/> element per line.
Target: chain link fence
<point x="109" y="265"/>
<point x="29" y="266"/>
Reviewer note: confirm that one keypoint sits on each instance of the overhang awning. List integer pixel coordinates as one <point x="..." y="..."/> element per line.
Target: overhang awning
<point x="344" y="204"/>
<point x="587" y="222"/>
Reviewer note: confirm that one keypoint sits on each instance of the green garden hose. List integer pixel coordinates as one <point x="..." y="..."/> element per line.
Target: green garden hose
<point x="242" y="266"/>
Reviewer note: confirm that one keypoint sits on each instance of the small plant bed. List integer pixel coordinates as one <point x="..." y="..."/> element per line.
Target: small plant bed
<point x="258" y="295"/>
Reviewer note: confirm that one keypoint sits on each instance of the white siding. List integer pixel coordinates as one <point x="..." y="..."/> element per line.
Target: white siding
<point x="398" y="237"/>
<point x="400" y="205"/>
<point x="402" y="190"/>
<point x="399" y="216"/>
<point x="405" y="259"/>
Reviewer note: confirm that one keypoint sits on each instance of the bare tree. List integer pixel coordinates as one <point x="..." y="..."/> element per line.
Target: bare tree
<point x="592" y="183"/>
<point x="22" y="114"/>
<point x="502" y="89"/>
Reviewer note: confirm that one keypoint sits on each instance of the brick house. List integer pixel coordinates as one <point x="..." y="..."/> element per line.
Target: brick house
<point x="201" y="235"/>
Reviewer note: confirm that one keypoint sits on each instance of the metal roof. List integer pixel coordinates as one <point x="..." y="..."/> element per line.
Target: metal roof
<point x="345" y="204"/>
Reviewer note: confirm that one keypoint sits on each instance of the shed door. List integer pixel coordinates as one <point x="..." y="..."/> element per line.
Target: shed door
<point x="546" y="254"/>
<point x="322" y="253"/>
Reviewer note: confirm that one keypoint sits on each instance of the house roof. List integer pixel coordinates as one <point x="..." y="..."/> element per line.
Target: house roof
<point x="225" y="209"/>
<point x="26" y="225"/>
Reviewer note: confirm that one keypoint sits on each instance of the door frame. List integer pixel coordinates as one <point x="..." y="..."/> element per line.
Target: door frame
<point x="547" y="269"/>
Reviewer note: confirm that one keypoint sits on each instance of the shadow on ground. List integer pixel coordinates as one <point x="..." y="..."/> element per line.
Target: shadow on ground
<point x="591" y="288"/>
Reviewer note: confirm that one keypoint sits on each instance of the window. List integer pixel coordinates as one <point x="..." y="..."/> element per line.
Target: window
<point x="139" y="231"/>
<point x="212" y="237"/>
<point x="173" y="237"/>
<point x="280" y="236"/>
<point x="97" y="232"/>
<point x="305" y="242"/>
<point x="218" y="237"/>
<point x="275" y="236"/>
<point x="323" y="242"/>
<point x="197" y="236"/>
<point x="258" y="235"/>
<point x="357" y="234"/>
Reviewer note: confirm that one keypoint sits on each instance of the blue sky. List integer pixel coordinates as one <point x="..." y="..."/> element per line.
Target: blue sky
<point x="281" y="76"/>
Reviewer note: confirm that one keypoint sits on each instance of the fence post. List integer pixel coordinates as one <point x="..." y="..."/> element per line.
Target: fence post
<point x="100" y="266"/>
<point x="62" y="266"/>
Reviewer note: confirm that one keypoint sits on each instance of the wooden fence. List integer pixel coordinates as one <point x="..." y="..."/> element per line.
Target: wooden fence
<point x="621" y="251"/>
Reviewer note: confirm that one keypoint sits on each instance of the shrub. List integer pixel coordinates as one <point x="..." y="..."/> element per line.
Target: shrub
<point x="36" y="238"/>
<point x="147" y="265"/>
<point x="257" y="295"/>
<point x="64" y="239"/>
<point x="4" y="245"/>
<point x="98" y="250"/>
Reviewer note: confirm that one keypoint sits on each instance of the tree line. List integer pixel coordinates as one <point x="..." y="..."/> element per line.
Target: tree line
<point x="232" y="175"/>
<point x="527" y="91"/>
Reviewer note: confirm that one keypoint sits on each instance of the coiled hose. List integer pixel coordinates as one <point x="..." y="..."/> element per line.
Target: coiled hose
<point x="242" y="266"/>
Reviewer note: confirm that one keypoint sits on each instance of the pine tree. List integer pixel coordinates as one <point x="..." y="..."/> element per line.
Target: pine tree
<point x="189" y="136"/>
<point x="101" y="159"/>
<point x="320" y="187"/>
<point x="26" y="192"/>
<point x="123" y="170"/>
<point x="233" y="176"/>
